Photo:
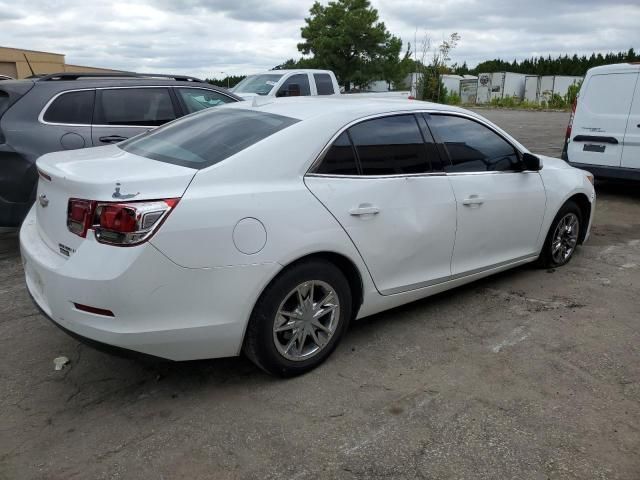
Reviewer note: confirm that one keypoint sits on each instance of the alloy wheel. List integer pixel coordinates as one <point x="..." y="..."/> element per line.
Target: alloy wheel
<point x="306" y="320"/>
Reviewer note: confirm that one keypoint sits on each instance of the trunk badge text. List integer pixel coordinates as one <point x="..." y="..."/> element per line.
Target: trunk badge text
<point x="122" y="196"/>
<point x="44" y="201"/>
<point x="67" y="251"/>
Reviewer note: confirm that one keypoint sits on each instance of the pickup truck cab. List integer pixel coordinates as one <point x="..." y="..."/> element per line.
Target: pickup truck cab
<point x="288" y="83"/>
<point x="603" y="136"/>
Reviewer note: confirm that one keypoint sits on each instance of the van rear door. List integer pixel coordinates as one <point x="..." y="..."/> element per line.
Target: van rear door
<point x="600" y="123"/>
<point x="631" y="150"/>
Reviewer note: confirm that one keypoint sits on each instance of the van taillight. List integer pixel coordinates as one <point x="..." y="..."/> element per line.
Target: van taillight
<point x="570" y="126"/>
<point x="122" y="224"/>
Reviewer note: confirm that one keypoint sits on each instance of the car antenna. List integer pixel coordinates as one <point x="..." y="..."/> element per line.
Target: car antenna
<point x="29" y="64"/>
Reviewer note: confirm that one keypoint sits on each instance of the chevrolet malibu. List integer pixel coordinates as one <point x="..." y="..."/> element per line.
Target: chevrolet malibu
<point x="266" y="229"/>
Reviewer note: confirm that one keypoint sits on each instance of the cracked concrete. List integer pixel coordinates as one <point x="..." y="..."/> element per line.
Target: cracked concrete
<point x="422" y="391"/>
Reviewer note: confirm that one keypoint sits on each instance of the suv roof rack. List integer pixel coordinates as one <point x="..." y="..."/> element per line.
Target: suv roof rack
<point x="76" y="76"/>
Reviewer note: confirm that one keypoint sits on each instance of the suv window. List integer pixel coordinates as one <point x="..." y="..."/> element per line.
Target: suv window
<point x="340" y="159"/>
<point x="196" y="99"/>
<point x="206" y="138"/>
<point x="324" y="85"/>
<point x="74" y="108"/>
<point x="134" y="106"/>
<point x="390" y="146"/>
<point x="289" y="89"/>
<point x="472" y="147"/>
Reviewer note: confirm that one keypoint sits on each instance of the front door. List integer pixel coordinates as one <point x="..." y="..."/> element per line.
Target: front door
<point x="499" y="207"/>
<point x="122" y="113"/>
<point x="380" y="180"/>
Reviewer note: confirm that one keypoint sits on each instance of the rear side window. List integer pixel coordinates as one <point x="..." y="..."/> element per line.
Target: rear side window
<point x="324" y="85"/>
<point x="75" y="108"/>
<point x="390" y="146"/>
<point x="610" y="94"/>
<point x="134" y="106"/>
<point x="4" y="102"/>
<point x="295" y="86"/>
<point x="201" y="140"/>
<point x="340" y="159"/>
<point x="472" y="147"/>
<point x="196" y="99"/>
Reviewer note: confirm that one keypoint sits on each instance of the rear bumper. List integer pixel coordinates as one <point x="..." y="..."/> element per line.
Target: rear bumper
<point x="613" y="173"/>
<point x="160" y="309"/>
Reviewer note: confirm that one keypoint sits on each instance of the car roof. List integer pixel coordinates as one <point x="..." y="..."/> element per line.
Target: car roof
<point x="616" y="67"/>
<point x="292" y="70"/>
<point x="102" y="82"/>
<point x="344" y="106"/>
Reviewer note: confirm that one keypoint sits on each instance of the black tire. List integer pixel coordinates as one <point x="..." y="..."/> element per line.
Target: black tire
<point x="546" y="259"/>
<point x="259" y="343"/>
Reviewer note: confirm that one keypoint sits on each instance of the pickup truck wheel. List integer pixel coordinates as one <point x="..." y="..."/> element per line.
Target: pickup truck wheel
<point x="562" y="238"/>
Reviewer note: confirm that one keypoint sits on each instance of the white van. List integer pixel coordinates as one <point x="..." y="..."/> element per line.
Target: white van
<point x="603" y="135"/>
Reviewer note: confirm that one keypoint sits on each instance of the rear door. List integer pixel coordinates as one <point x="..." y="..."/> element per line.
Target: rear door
<point x="68" y="116"/>
<point x="631" y="148"/>
<point x="383" y="183"/>
<point x="601" y="119"/>
<point x="121" y="113"/>
<point x="499" y="207"/>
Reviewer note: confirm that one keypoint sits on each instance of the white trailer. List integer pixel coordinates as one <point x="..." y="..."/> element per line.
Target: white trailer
<point x="469" y="90"/>
<point x="531" y="84"/>
<point x="550" y="85"/>
<point x="483" y="94"/>
<point x="456" y="83"/>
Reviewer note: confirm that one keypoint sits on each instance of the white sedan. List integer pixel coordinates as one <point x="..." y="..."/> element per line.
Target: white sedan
<point x="268" y="228"/>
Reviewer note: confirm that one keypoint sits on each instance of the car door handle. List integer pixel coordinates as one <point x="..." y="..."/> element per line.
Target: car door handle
<point x="473" y="200"/>
<point x="364" y="209"/>
<point x="112" y="139"/>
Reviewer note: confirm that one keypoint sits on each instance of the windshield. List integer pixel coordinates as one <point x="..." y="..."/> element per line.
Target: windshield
<point x="260" y="84"/>
<point x="205" y="138"/>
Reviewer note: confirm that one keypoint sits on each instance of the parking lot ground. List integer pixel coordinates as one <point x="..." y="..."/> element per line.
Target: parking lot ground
<point x="530" y="374"/>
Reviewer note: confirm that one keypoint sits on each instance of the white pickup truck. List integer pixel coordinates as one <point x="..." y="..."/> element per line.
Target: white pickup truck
<point x="297" y="83"/>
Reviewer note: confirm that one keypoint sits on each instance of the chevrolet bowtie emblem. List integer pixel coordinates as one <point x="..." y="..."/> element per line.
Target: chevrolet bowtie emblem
<point x="44" y="201"/>
<point x="122" y="196"/>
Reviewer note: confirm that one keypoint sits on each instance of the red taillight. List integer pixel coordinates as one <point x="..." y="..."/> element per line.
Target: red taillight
<point x="570" y="126"/>
<point x="122" y="224"/>
<point x="411" y="97"/>
<point x="79" y="216"/>
<point x="118" y="218"/>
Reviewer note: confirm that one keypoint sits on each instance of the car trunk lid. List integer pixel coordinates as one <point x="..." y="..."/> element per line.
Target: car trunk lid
<point x="107" y="174"/>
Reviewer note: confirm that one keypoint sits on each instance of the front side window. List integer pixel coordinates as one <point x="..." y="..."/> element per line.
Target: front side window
<point x="340" y="159"/>
<point x="134" y="107"/>
<point x="324" y="84"/>
<point x="258" y="84"/>
<point x="74" y="108"/>
<point x="472" y="147"/>
<point x="295" y="86"/>
<point x="206" y="138"/>
<point x="196" y="99"/>
<point x="390" y="146"/>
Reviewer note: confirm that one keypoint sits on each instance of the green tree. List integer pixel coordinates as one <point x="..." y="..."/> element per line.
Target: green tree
<point x="346" y="36"/>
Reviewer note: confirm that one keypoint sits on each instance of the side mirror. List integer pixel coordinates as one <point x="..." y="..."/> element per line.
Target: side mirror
<point x="531" y="162"/>
<point x="292" y="90"/>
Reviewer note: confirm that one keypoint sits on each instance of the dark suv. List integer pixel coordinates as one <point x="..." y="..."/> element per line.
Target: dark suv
<point x="68" y="111"/>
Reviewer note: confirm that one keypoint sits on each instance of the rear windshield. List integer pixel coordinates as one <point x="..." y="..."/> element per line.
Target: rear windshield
<point x="207" y="137"/>
<point x="260" y="84"/>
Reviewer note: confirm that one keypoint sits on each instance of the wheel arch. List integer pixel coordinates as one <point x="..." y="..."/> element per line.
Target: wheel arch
<point x="346" y="266"/>
<point x="584" y="205"/>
